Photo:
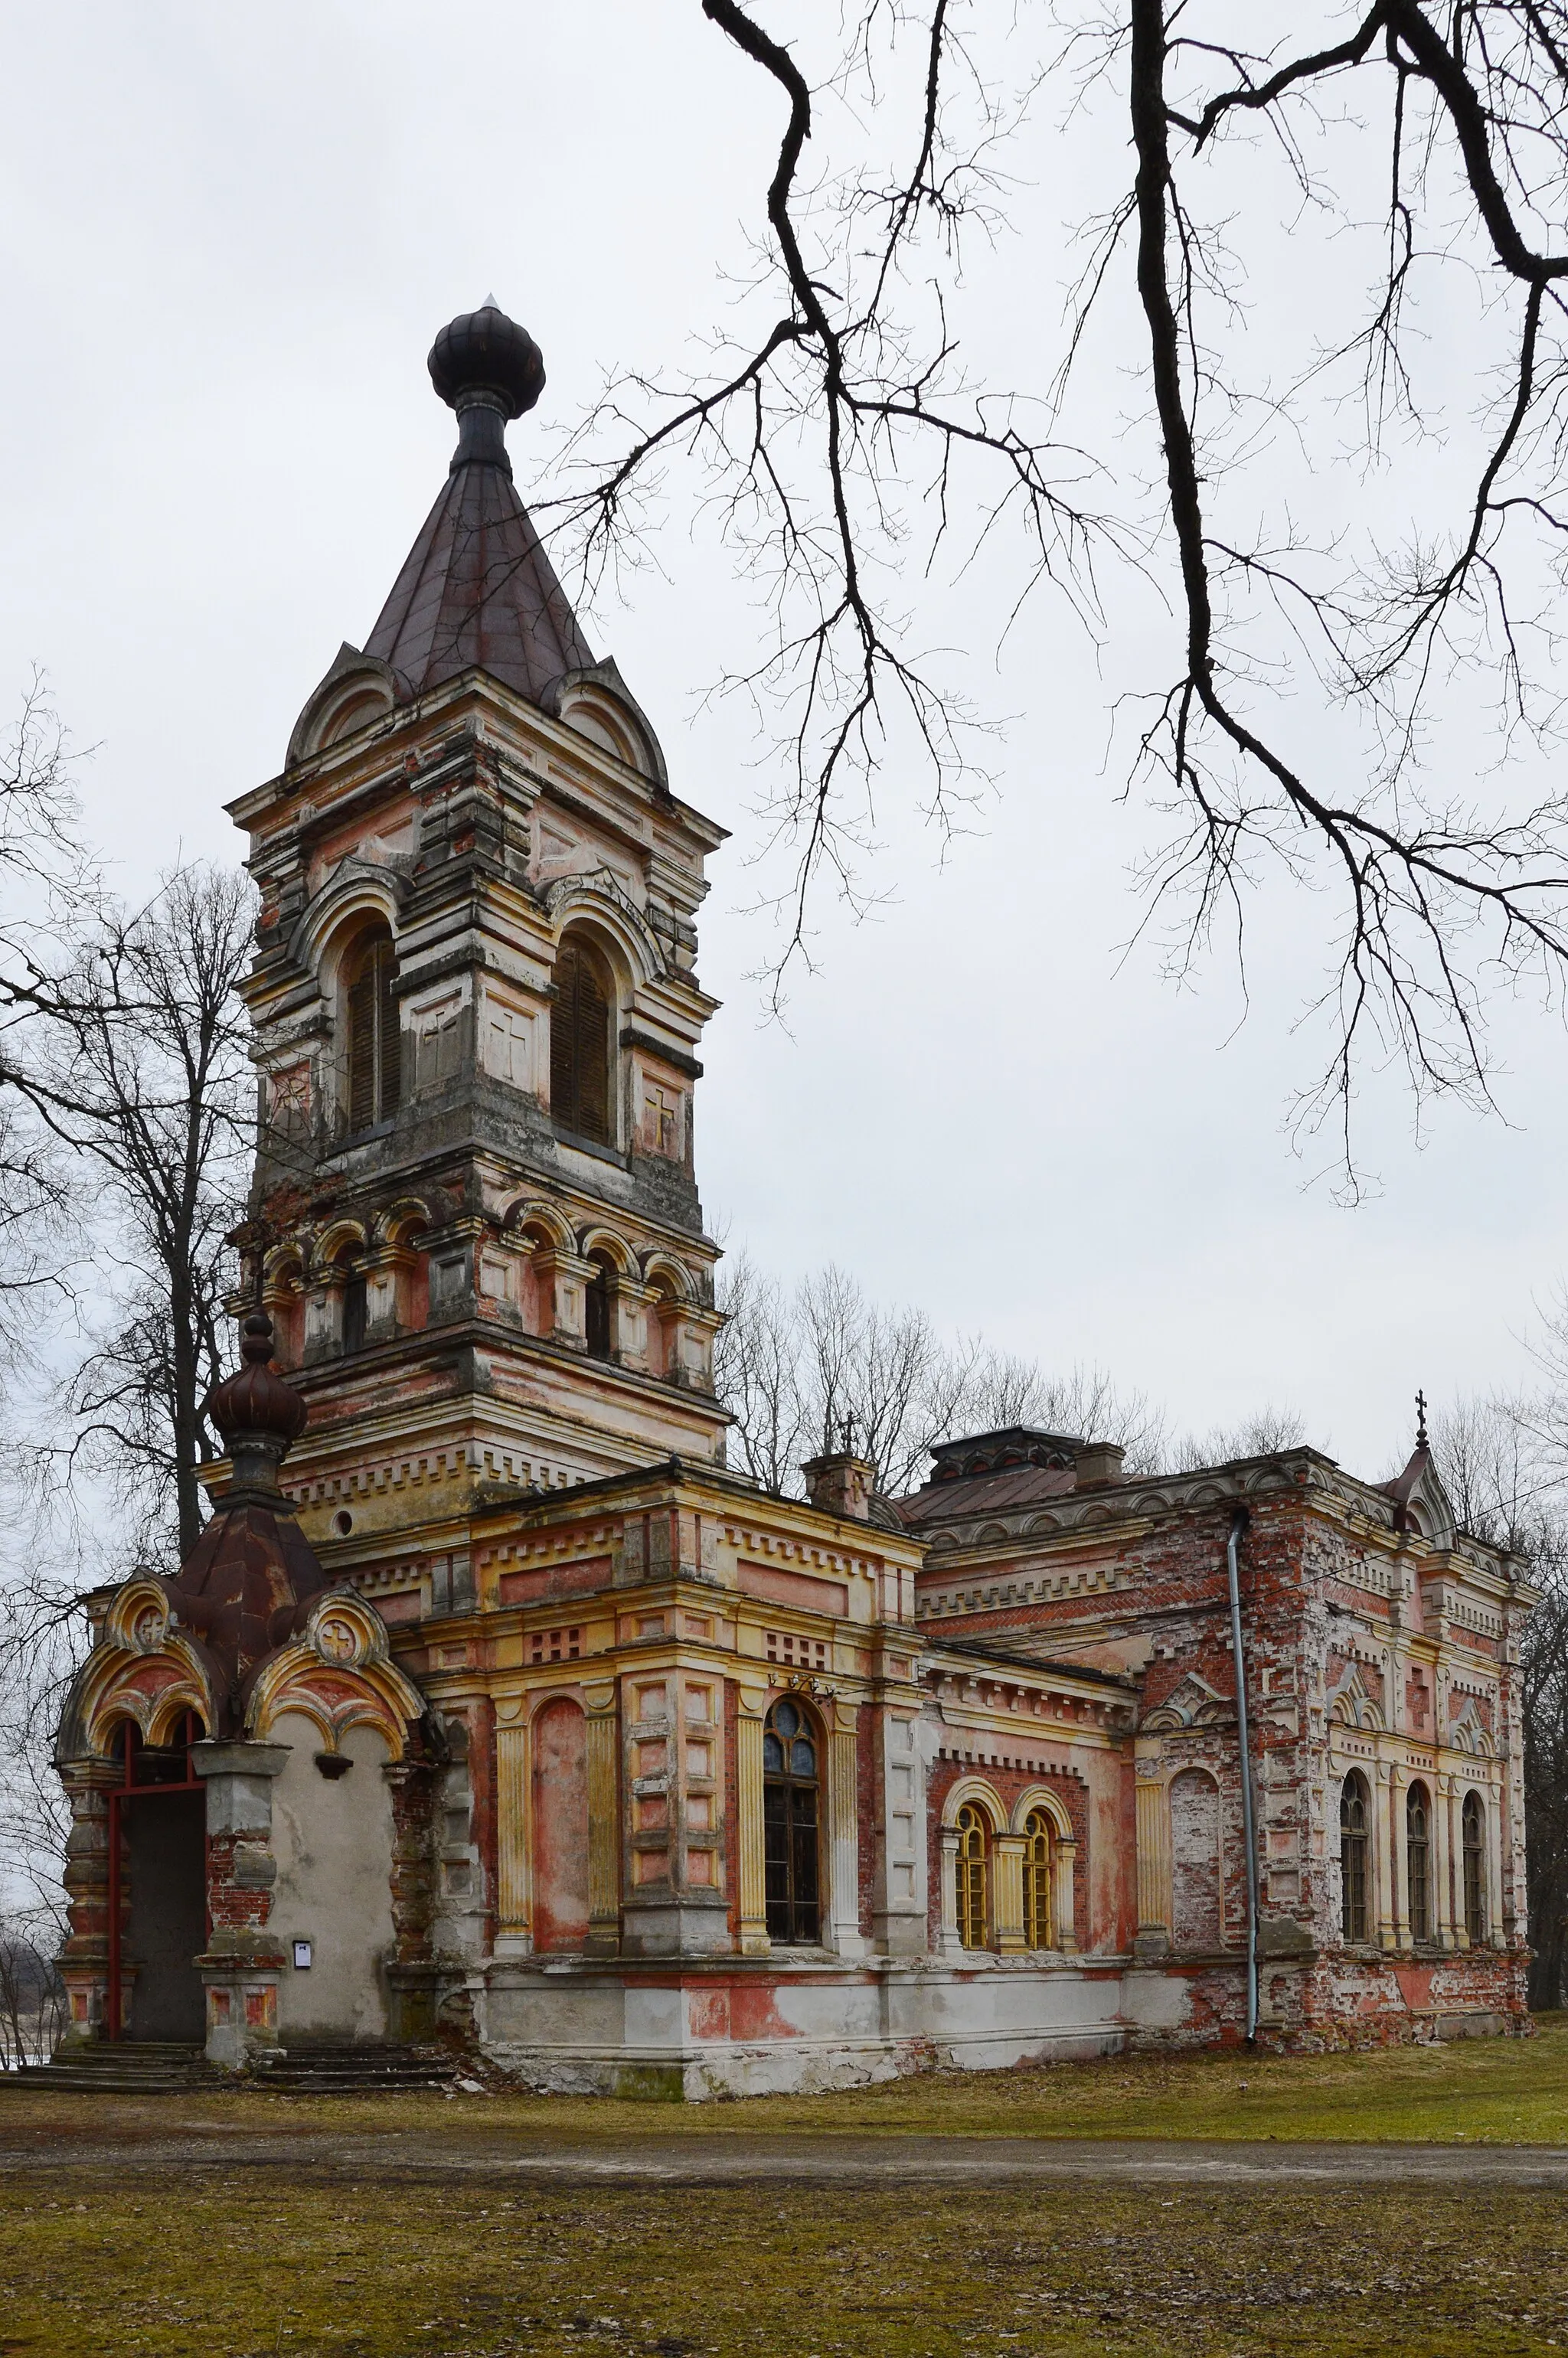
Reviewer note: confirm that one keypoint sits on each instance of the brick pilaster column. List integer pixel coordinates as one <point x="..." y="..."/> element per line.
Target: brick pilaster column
<point x="243" y="1963"/>
<point x="84" y="1956"/>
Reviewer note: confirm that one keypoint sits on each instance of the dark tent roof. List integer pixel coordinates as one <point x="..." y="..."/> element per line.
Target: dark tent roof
<point x="477" y="588"/>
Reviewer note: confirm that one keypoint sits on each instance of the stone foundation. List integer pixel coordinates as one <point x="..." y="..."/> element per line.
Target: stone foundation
<point x="572" y="2025"/>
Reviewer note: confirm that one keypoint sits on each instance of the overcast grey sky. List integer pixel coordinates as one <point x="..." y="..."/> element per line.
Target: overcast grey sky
<point x="227" y="239"/>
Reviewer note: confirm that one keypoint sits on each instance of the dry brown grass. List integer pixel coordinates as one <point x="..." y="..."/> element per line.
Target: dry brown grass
<point x="243" y="2267"/>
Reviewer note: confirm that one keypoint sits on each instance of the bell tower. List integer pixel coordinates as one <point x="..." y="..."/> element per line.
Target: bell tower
<point x="475" y="1219"/>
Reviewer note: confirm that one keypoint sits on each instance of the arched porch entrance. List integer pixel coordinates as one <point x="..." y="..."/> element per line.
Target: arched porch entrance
<point x="157" y="1888"/>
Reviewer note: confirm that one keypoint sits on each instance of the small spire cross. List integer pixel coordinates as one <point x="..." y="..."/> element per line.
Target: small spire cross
<point x="1420" y="1441"/>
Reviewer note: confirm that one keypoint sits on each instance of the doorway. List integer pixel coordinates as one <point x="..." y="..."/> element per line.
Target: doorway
<point x="158" y="1891"/>
<point x="166" y="1928"/>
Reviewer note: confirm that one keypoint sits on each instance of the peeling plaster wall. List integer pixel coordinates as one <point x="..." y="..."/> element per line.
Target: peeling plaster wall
<point x="333" y="1844"/>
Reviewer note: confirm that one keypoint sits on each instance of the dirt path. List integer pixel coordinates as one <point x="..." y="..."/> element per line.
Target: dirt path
<point x="468" y="2150"/>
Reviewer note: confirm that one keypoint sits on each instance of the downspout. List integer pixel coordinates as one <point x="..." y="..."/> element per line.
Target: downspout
<point x="1248" y="1831"/>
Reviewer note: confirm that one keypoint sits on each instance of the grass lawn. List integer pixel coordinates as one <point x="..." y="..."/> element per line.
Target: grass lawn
<point x="249" y="2267"/>
<point x="197" y="2258"/>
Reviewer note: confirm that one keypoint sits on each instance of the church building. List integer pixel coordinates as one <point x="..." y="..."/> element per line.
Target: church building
<point x="493" y="1713"/>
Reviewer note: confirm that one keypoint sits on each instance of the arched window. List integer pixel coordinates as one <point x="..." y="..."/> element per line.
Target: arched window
<point x="1038" y="1929"/>
<point x="376" y="1046"/>
<point x="791" y="1818"/>
<point x="597" y="1319"/>
<point x="579" y="1041"/>
<point x="1474" y="1826"/>
<point x="971" y="1869"/>
<point x="1417" y="1861"/>
<point x="1353" y="1818"/>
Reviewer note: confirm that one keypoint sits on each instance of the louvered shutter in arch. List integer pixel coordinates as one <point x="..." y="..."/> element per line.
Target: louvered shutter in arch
<point x="389" y="1043"/>
<point x="579" y="1045"/>
<point x="362" y="1049"/>
<point x="563" y="1038"/>
<point x="593" y="1054"/>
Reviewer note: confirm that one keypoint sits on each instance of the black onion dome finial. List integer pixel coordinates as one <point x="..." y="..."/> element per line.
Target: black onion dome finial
<point x="485" y="357"/>
<point x="254" y="1410"/>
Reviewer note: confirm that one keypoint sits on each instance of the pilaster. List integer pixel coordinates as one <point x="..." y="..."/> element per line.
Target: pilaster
<point x="750" y="1714"/>
<point x="899" y="1900"/>
<point x="1443" y="1861"/>
<point x="951" y="1944"/>
<point x="1064" y="1865"/>
<point x="603" y="1821"/>
<point x="1152" y="1819"/>
<point x="1007" y="1892"/>
<point x="1383" y="1855"/>
<point x="514" y="1924"/>
<point x="85" y="1958"/>
<point x="243" y="1964"/>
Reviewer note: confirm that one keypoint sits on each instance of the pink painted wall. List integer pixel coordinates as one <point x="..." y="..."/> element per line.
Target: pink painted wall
<point x="561" y="1826"/>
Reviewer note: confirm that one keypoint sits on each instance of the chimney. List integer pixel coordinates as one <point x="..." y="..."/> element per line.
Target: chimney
<point x="840" y="1483"/>
<point x="1094" y="1462"/>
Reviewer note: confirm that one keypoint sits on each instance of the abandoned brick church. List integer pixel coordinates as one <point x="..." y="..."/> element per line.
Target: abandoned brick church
<point x="491" y="1708"/>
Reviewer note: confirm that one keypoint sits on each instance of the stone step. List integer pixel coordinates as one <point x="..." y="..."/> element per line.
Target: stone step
<point x="143" y="2068"/>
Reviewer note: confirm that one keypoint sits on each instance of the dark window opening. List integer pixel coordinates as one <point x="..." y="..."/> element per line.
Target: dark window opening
<point x="354" y="1314"/>
<point x="791" y="1819"/>
<point x="1473" y="1823"/>
<point x="598" y="1321"/>
<point x="1418" y="1862"/>
<point x="1353" y="1837"/>
<point x="376" y="1045"/>
<point x="580" y="1043"/>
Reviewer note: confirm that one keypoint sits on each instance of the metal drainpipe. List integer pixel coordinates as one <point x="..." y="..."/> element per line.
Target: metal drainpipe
<point x="1248" y="1831"/>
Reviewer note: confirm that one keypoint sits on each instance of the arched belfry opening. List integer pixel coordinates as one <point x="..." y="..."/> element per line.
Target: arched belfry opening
<point x="580" y="1029"/>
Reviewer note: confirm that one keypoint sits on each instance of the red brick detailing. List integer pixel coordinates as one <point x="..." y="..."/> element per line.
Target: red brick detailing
<point x="233" y="1905"/>
<point x="413" y="1788"/>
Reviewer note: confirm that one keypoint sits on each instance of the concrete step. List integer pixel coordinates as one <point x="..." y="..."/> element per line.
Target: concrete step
<point x="306" y="2071"/>
<point x="125" y="2068"/>
<point x="149" y="2068"/>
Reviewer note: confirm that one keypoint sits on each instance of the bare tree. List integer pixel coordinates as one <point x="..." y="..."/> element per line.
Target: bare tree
<point x="129" y="1051"/>
<point x="799" y="1370"/>
<point x="41" y="866"/>
<point x="1501" y="1464"/>
<point x="1346" y="179"/>
<point x="1262" y="1434"/>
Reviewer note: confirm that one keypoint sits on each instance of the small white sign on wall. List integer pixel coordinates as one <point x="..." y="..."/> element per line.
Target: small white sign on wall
<point x="303" y="1956"/>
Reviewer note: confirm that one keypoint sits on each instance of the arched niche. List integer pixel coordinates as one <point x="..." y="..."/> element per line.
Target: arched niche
<point x="560" y="1826"/>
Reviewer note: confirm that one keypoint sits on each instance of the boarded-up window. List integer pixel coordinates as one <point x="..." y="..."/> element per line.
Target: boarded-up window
<point x="579" y="1041"/>
<point x="376" y="1046"/>
<point x="1194" y="1860"/>
<point x="560" y="1827"/>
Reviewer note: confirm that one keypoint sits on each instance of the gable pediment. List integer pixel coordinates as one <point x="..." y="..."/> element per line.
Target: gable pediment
<point x="1192" y="1703"/>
